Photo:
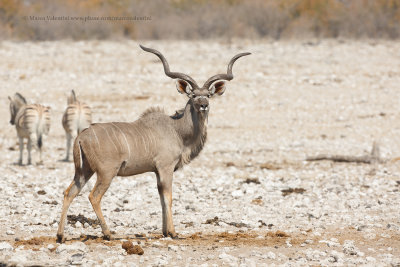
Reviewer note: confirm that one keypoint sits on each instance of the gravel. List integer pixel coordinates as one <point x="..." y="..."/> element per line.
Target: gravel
<point x="288" y="100"/>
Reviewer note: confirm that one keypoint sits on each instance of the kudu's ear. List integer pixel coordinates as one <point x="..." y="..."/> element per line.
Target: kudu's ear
<point x="183" y="87"/>
<point x="217" y="88"/>
<point x="9" y="98"/>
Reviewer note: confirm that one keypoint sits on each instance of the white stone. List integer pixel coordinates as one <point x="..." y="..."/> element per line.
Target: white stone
<point x="370" y="259"/>
<point x="10" y="232"/>
<point x="349" y="248"/>
<point x="227" y="258"/>
<point x="19" y="259"/>
<point x="4" y="246"/>
<point x="237" y="193"/>
<point x="77" y="258"/>
<point x="271" y="255"/>
<point x="77" y="246"/>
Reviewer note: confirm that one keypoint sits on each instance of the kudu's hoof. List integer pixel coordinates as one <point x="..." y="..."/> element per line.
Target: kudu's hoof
<point x="172" y="235"/>
<point x="175" y="236"/>
<point x="60" y="239"/>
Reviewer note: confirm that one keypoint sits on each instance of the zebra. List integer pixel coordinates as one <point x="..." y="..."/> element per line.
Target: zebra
<point x="32" y="121"/>
<point x="76" y="118"/>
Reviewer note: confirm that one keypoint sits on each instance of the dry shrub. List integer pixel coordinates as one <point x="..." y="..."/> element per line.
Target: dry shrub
<point x="200" y="19"/>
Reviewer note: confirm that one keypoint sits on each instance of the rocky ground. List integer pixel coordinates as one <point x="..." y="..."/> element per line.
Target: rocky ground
<point x="250" y="198"/>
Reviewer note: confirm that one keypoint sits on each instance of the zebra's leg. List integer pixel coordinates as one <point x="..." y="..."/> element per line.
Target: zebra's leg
<point x="29" y="146"/>
<point x="68" y="146"/>
<point x="21" y="149"/>
<point x="40" y="147"/>
<point x="70" y="139"/>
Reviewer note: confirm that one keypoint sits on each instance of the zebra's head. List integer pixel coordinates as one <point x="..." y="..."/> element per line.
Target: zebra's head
<point x="15" y="104"/>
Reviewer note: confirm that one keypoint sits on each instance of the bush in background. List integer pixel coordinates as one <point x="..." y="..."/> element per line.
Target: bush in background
<point x="201" y="19"/>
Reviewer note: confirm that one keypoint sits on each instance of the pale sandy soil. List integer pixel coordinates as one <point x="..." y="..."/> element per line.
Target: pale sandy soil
<point x="289" y="100"/>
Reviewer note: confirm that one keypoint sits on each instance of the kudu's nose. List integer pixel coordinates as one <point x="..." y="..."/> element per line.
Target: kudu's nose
<point x="203" y="107"/>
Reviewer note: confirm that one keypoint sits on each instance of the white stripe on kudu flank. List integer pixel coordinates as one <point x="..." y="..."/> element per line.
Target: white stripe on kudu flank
<point x="126" y="140"/>
<point x="95" y="135"/>
<point x="112" y="141"/>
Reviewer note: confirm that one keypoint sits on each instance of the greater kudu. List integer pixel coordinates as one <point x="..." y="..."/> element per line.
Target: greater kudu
<point x="155" y="143"/>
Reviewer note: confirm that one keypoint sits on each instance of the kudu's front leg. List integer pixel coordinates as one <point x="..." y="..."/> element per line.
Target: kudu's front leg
<point x="164" y="185"/>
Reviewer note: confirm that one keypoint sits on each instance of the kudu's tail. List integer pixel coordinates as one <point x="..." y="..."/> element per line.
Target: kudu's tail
<point x="78" y="157"/>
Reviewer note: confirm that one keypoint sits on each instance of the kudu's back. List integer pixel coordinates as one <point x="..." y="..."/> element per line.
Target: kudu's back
<point x="136" y="147"/>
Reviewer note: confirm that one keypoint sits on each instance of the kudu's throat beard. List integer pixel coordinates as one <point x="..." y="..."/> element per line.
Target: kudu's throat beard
<point x="204" y="115"/>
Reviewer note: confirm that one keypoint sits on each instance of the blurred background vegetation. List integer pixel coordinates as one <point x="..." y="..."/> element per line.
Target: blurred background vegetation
<point x="201" y="19"/>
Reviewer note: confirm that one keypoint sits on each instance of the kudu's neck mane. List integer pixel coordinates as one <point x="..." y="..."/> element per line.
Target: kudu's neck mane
<point x="191" y="127"/>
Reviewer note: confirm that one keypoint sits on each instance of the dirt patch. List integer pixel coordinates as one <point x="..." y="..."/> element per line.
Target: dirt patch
<point x="195" y="236"/>
<point x="35" y="243"/>
<point x="277" y="234"/>
<point x="239" y="238"/>
<point x="273" y="239"/>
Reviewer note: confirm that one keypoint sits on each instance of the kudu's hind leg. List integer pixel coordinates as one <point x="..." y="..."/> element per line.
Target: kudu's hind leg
<point x="72" y="191"/>
<point x="102" y="184"/>
<point x="164" y="185"/>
